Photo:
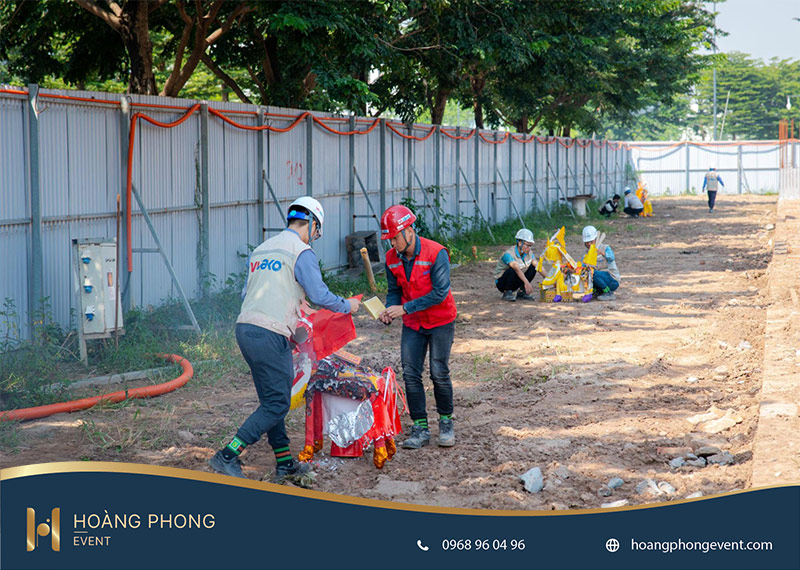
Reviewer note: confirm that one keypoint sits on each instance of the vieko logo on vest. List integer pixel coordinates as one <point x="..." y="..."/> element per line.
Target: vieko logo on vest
<point x="51" y="526"/>
<point x="267" y="264"/>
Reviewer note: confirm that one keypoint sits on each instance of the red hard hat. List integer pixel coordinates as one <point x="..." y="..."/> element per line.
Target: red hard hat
<point x="394" y="220"/>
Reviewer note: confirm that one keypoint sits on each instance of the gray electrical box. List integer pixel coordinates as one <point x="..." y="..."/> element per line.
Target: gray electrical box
<point x="96" y="292"/>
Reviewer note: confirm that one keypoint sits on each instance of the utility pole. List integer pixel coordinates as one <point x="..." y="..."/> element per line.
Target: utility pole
<point x="715" y="72"/>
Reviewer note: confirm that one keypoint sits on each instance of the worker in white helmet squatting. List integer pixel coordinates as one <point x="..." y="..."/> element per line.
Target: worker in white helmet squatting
<point x="280" y="273"/>
<point x="711" y="184"/>
<point x="516" y="269"/>
<point x="633" y="206"/>
<point x="605" y="281"/>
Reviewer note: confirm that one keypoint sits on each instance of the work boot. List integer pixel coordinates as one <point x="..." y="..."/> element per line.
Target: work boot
<point x="509" y="296"/>
<point x="418" y="437"/>
<point x="521" y="294"/>
<point x="447" y="437"/>
<point x="290" y="468"/>
<point x="607" y="296"/>
<point x="231" y="467"/>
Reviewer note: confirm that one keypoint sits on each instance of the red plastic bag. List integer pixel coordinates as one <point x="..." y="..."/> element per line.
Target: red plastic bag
<point x="332" y="331"/>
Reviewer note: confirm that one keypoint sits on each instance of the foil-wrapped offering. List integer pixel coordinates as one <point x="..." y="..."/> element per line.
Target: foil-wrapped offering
<point x="346" y="429"/>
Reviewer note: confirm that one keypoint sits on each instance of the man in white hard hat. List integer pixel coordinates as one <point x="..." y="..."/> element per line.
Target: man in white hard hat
<point x="281" y="272"/>
<point x="515" y="270"/>
<point x="606" y="281"/>
<point x="711" y="183"/>
<point x="633" y="206"/>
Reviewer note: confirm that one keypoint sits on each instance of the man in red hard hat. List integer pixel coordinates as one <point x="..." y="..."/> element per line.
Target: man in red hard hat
<point x="418" y="276"/>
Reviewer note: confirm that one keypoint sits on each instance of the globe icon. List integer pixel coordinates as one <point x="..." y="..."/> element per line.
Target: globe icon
<point x="612" y="545"/>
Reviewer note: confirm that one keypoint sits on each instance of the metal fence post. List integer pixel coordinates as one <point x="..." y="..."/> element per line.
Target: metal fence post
<point x="309" y="156"/>
<point x="383" y="165"/>
<point x="494" y="178"/>
<point x="410" y="166"/>
<point x="437" y="201"/>
<point x="688" y="181"/>
<point x="204" y="215"/>
<point x="351" y="177"/>
<point x="739" y="170"/>
<point x="261" y="221"/>
<point x="547" y="169"/>
<point x="511" y="176"/>
<point x="477" y="196"/>
<point x="35" y="282"/>
<point x="124" y="279"/>
<point x="524" y="164"/>
<point x="458" y="178"/>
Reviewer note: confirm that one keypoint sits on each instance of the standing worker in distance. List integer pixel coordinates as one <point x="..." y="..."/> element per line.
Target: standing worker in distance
<point x="418" y="278"/>
<point x="711" y="184"/>
<point x="281" y="272"/>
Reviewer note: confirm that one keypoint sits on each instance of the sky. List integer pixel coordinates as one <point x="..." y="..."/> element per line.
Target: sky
<point x="761" y="28"/>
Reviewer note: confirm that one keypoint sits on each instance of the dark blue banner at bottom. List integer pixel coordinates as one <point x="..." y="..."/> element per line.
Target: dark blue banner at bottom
<point x="109" y="515"/>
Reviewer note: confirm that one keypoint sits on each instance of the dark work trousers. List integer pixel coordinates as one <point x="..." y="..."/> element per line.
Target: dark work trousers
<point x="510" y="281"/>
<point x="712" y="198"/>
<point x="603" y="279"/>
<point x="633" y="212"/>
<point x="270" y="359"/>
<point x="414" y="346"/>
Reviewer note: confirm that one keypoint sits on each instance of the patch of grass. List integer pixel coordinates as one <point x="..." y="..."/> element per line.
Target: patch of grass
<point x="118" y="438"/>
<point x="9" y="436"/>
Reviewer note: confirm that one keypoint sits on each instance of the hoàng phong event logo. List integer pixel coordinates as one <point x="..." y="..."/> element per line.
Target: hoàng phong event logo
<point x="51" y="526"/>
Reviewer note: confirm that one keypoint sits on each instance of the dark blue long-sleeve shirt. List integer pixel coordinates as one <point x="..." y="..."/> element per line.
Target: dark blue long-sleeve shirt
<point x="440" y="280"/>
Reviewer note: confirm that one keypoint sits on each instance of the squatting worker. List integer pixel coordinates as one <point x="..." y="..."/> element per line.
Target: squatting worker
<point x="418" y="277"/>
<point x="633" y="206"/>
<point x="516" y="269"/>
<point x="711" y="184"/>
<point x="281" y="272"/>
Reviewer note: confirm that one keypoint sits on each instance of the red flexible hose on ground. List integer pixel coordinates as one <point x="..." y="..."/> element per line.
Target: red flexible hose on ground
<point x="113" y="397"/>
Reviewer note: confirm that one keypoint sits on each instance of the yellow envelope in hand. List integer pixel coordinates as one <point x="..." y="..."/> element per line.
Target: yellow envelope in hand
<point x="374" y="307"/>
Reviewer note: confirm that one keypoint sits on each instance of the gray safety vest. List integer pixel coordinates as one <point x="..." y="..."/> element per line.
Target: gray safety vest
<point x="273" y="295"/>
<point x="712" y="183"/>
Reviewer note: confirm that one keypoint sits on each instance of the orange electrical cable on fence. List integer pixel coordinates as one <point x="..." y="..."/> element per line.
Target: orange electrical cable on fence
<point x="233" y="123"/>
<point x="457" y="137"/>
<point x="412" y="137"/>
<point x="490" y="141"/>
<point x="366" y="131"/>
<point x="524" y="141"/>
<point x="113" y="397"/>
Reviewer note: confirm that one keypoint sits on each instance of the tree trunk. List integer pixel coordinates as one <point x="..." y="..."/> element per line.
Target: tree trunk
<point x="521" y="124"/>
<point x="135" y="32"/>
<point x="477" y="83"/>
<point x="477" y="109"/>
<point x="439" y="104"/>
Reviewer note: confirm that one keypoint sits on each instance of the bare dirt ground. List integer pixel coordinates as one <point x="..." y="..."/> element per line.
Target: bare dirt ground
<point x="586" y="392"/>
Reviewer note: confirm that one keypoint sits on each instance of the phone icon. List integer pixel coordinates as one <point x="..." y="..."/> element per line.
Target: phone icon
<point x="421" y="547"/>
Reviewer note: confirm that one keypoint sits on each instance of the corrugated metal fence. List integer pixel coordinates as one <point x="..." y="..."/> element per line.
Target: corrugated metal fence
<point x="745" y="167"/>
<point x="211" y="187"/>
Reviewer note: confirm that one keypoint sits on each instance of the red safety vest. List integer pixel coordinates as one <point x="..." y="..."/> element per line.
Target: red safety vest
<point x="420" y="284"/>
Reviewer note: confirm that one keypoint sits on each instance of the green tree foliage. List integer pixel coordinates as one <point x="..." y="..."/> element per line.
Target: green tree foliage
<point x="756" y="94"/>
<point x="539" y="64"/>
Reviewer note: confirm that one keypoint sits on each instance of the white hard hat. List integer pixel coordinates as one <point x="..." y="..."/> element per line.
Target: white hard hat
<point x="310" y="204"/>
<point x="627" y="190"/>
<point x="525" y="235"/>
<point x="711" y="167"/>
<point x="589" y="233"/>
